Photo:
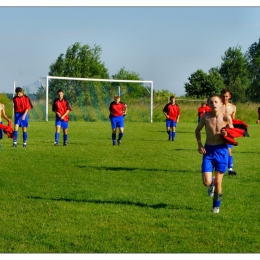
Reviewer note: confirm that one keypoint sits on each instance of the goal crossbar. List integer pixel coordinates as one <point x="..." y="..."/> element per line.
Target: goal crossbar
<point x="100" y="80"/>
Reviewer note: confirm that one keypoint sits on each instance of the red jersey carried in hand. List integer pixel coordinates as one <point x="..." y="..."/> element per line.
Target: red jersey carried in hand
<point x="21" y="104"/>
<point x="117" y="109"/>
<point x="61" y="106"/>
<point x="172" y="110"/>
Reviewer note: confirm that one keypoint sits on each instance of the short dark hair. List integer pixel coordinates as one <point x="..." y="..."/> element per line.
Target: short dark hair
<point x="60" y="90"/>
<point x="226" y="90"/>
<point x="18" y="89"/>
<point x="172" y="97"/>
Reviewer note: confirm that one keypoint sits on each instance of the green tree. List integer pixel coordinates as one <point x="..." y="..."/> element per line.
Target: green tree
<point x="79" y="62"/>
<point x="135" y="90"/>
<point x="234" y="70"/>
<point x="253" y="56"/>
<point x="202" y="85"/>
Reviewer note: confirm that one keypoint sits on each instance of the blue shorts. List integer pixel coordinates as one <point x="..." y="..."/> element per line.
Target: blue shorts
<point x="216" y="157"/>
<point x="170" y="123"/>
<point x="117" y="121"/>
<point x="18" y="119"/>
<point x="230" y="146"/>
<point x="63" y="124"/>
<point x="1" y="132"/>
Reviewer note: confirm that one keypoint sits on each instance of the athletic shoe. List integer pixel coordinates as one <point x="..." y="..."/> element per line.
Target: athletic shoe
<point x="65" y="144"/>
<point x="169" y="138"/>
<point x="55" y="144"/>
<point x="119" y="142"/>
<point x="215" y="210"/>
<point x="232" y="173"/>
<point x="24" y="144"/>
<point x="211" y="190"/>
<point x="114" y="143"/>
<point x="14" y="145"/>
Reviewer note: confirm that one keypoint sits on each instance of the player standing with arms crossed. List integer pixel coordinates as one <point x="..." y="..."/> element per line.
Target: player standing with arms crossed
<point x="22" y="105"/>
<point x="172" y="114"/>
<point x="215" y="150"/>
<point x="229" y="109"/>
<point x="61" y="107"/>
<point x="118" y="111"/>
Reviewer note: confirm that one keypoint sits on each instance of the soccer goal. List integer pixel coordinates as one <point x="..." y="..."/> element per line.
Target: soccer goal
<point x="90" y="97"/>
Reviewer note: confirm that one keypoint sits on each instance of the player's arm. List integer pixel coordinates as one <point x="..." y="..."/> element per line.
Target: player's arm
<point x="3" y="113"/>
<point x="234" y="112"/>
<point x="201" y="124"/>
<point x="65" y="114"/>
<point x="125" y="110"/>
<point x="24" y="114"/>
<point x="165" y="111"/>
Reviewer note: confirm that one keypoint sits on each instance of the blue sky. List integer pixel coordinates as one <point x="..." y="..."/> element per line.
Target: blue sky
<point x="165" y="44"/>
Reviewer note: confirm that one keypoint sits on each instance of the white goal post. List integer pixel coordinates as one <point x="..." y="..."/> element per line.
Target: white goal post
<point x="100" y="80"/>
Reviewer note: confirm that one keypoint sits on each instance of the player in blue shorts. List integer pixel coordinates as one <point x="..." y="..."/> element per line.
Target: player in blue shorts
<point x="118" y="111"/>
<point x="172" y="114"/>
<point x="22" y="105"/>
<point x="215" y="151"/>
<point x="61" y="107"/>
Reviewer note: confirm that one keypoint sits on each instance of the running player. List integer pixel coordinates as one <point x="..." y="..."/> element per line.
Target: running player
<point x="229" y="109"/>
<point x="172" y="114"/>
<point x="215" y="150"/>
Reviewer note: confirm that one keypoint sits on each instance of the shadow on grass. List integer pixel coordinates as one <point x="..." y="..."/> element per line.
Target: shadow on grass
<point x="107" y="168"/>
<point x="130" y="203"/>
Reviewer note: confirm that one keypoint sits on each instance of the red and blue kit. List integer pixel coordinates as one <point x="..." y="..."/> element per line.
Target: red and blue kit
<point x="117" y="109"/>
<point x="61" y="106"/>
<point x="21" y="104"/>
<point x="173" y="111"/>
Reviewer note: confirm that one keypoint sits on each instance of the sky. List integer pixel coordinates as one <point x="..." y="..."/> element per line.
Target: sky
<point x="163" y="44"/>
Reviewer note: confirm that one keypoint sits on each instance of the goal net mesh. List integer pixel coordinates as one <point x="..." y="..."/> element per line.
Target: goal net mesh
<point x="90" y="100"/>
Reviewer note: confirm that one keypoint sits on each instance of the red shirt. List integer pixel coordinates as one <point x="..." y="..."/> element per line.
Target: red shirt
<point x="61" y="106"/>
<point x="22" y="103"/>
<point x="202" y="111"/>
<point x="172" y="110"/>
<point x="117" y="109"/>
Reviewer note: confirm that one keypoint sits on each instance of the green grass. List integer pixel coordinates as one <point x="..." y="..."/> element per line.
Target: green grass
<point x="145" y="196"/>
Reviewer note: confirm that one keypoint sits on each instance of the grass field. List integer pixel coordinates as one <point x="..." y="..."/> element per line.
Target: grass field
<point x="145" y="196"/>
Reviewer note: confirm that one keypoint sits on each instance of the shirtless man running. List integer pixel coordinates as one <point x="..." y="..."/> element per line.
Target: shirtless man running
<point x="229" y="109"/>
<point x="215" y="150"/>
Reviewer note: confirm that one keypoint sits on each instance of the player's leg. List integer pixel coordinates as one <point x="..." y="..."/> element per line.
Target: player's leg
<point x="174" y="124"/>
<point x="120" y="125"/>
<point x="65" y="126"/>
<point x="168" y="129"/>
<point x="57" y="131"/>
<point x="230" y="161"/>
<point x="24" y="125"/>
<point x="17" y="122"/>
<point x="218" y="192"/>
<point x="113" y="127"/>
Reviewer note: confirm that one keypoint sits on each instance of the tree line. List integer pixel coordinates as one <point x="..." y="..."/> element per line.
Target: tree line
<point x="240" y="72"/>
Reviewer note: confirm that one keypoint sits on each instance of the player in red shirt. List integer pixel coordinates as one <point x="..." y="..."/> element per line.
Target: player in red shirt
<point x="22" y="105"/>
<point x="118" y="111"/>
<point x="201" y="110"/>
<point x="172" y="114"/>
<point x="61" y="107"/>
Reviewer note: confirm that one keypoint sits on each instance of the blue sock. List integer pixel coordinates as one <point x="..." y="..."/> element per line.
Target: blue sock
<point x="170" y="134"/>
<point x="213" y="184"/>
<point x="173" y="135"/>
<point x="120" y="136"/>
<point x="230" y="162"/>
<point x="24" y="137"/>
<point x="65" y="138"/>
<point x="57" y="137"/>
<point x="15" y="136"/>
<point x="217" y="200"/>
<point x="114" y="137"/>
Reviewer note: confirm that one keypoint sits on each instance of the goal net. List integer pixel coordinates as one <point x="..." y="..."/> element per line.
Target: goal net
<point x="90" y="98"/>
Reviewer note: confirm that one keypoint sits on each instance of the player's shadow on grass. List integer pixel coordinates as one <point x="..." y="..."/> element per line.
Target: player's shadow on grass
<point x="128" y="203"/>
<point x="106" y="168"/>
